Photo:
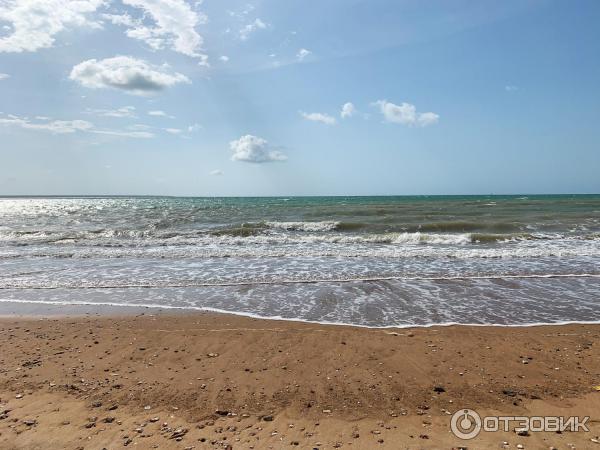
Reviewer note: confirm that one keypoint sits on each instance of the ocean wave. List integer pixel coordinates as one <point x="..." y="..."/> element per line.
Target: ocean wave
<point x="242" y="230"/>
<point x="304" y="226"/>
<point x="253" y="229"/>
<point x="156" y="284"/>
<point x="482" y="238"/>
<point x="431" y="238"/>
<point x="286" y="234"/>
<point x="309" y="246"/>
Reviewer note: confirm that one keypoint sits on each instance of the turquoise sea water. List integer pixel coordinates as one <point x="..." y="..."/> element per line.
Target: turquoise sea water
<point x="376" y="261"/>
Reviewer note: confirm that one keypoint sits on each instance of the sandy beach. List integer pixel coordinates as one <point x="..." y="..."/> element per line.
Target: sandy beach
<point x="269" y="225"/>
<point x="221" y="381"/>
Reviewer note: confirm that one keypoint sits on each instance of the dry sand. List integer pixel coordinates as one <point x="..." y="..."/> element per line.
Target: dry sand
<point x="220" y="381"/>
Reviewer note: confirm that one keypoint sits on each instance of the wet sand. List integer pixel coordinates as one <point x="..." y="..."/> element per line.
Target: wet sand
<point x="221" y="381"/>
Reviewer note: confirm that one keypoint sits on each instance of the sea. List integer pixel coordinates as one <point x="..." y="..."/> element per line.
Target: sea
<point x="366" y="261"/>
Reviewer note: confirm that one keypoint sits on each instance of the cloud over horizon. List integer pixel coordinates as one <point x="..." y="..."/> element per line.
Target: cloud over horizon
<point x="253" y="149"/>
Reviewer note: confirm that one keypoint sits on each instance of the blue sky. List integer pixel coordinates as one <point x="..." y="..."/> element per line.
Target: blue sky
<point x="246" y="98"/>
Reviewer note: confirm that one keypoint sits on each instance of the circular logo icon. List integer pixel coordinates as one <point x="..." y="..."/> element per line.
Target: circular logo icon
<point x="465" y="424"/>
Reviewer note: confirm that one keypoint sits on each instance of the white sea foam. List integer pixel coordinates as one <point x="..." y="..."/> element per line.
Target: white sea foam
<point x="284" y="281"/>
<point x="158" y="306"/>
<point x="309" y="245"/>
<point x="430" y="238"/>
<point x="304" y="226"/>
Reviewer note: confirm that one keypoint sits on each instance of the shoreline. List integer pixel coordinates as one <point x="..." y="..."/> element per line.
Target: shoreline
<point x="218" y="376"/>
<point x="49" y="308"/>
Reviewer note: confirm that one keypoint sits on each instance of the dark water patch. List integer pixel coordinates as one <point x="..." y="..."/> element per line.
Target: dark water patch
<point x="242" y="230"/>
<point x="465" y="226"/>
<point x="351" y="226"/>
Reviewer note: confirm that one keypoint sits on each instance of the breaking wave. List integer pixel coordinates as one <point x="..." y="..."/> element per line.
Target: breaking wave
<point x="304" y="226"/>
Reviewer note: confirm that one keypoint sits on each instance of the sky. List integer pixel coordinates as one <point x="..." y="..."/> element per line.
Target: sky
<point x="271" y="97"/>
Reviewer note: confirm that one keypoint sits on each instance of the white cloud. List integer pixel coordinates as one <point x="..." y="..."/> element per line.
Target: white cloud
<point x="131" y="134"/>
<point x="302" y="54"/>
<point x="251" y="28"/>
<point x="428" y="118"/>
<point x="193" y="128"/>
<point x="121" y="19"/>
<point x="174" y="130"/>
<point x="47" y="124"/>
<point x="253" y="149"/>
<point x="348" y="110"/>
<point x="160" y="113"/>
<point x="4" y="76"/>
<point x="124" y="112"/>
<point x="124" y="72"/>
<point x="240" y="14"/>
<point x="511" y="88"/>
<point x="173" y="25"/>
<point x="224" y="58"/>
<point x="216" y="172"/>
<point x="203" y="61"/>
<point x="319" y="117"/>
<point x="138" y="127"/>
<point x="34" y="23"/>
<point x="52" y="126"/>
<point x="405" y="114"/>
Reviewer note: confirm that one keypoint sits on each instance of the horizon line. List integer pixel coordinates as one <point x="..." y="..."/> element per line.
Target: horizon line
<point x="5" y="196"/>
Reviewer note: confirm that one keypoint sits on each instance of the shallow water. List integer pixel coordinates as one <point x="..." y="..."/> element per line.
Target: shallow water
<point x="374" y="261"/>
